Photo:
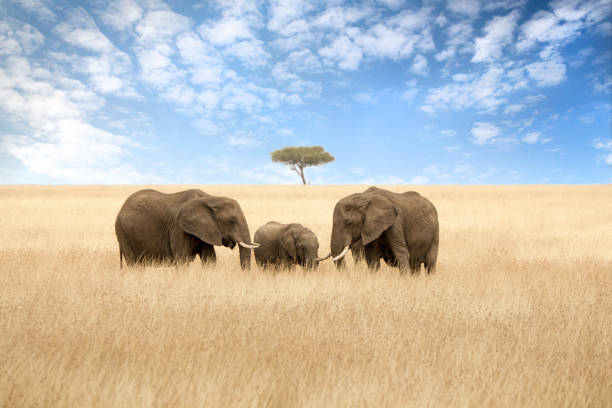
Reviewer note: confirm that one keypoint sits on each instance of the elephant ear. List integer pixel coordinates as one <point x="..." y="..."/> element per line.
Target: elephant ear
<point x="287" y="242"/>
<point x="195" y="218"/>
<point x="380" y="214"/>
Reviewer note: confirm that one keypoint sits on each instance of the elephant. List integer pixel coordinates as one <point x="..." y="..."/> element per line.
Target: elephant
<point x="173" y="228"/>
<point x="402" y="229"/>
<point x="286" y="245"/>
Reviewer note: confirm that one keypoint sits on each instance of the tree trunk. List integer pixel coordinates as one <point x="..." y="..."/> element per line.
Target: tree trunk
<point x="302" y="174"/>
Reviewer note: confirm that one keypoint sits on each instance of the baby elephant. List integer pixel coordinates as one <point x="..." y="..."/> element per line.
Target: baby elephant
<point x="286" y="245"/>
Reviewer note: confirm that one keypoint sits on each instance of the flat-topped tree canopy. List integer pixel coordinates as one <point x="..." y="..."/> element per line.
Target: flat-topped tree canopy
<point x="300" y="157"/>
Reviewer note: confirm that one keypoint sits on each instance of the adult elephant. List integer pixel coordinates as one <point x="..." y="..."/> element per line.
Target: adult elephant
<point x="402" y="229"/>
<point x="286" y="245"/>
<point x="173" y="228"/>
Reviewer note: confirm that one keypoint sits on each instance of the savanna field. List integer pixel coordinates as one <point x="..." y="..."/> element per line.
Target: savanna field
<point x="519" y="312"/>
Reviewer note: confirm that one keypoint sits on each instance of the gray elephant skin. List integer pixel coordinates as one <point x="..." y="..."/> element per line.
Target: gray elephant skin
<point x="402" y="229"/>
<point x="154" y="227"/>
<point x="286" y="245"/>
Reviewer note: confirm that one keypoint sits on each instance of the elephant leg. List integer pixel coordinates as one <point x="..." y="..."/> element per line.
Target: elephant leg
<point x="431" y="258"/>
<point x="183" y="251"/>
<point x="372" y="256"/>
<point x="415" y="265"/>
<point x="207" y="254"/>
<point x="357" y="251"/>
<point x="394" y="238"/>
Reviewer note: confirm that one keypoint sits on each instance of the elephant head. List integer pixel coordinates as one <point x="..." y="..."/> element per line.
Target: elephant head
<point x="217" y="221"/>
<point x="301" y="245"/>
<point x="360" y="217"/>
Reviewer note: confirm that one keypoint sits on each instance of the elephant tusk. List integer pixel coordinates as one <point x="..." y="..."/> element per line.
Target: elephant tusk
<point x="250" y="246"/>
<point x="341" y="253"/>
<point x="324" y="258"/>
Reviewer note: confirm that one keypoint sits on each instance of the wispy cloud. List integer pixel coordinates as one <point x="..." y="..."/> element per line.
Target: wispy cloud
<point x="606" y="146"/>
<point x="498" y="33"/>
<point x="485" y="133"/>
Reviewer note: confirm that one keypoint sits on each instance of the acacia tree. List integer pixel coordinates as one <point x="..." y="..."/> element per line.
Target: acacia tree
<point x="300" y="157"/>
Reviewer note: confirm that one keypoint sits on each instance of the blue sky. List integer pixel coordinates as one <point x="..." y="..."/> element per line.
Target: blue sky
<point x="400" y="92"/>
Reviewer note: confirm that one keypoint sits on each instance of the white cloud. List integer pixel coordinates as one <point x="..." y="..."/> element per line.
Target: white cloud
<point x="104" y="74"/>
<point x="549" y="71"/>
<point x="365" y="97"/>
<point x="410" y="92"/>
<point x="121" y="14"/>
<point x="208" y="127"/>
<point x="242" y="140"/>
<point x="339" y="17"/>
<point x="448" y="133"/>
<point x="80" y="30"/>
<point x="19" y="38"/>
<point x="284" y="12"/>
<point x="382" y="41"/>
<point x="459" y="40"/>
<point x="419" y="180"/>
<point x="601" y="82"/>
<point x="236" y="97"/>
<point x="293" y="83"/>
<point x="605" y="145"/>
<point x="304" y="61"/>
<point x="109" y="69"/>
<point x="544" y="26"/>
<point x="484" y="132"/>
<point x="461" y="77"/>
<point x="534" y="98"/>
<point x="531" y="138"/>
<point x="344" y="52"/>
<point x="251" y="53"/>
<point x="38" y="7"/>
<point x="513" y="108"/>
<point x="226" y="31"/>
<point x="565" y="22"/>
<point x="56" y="137"/>
<point x="393" y="4"/>
<point x="487" y="91"/>
<point x="503" y="4"/>
<point x="470" y="8"/>
<point x="205" y="63"/>
<point x="286" y="132"/>
<point x="158" y="27"/>
<point x="498" y="33"/>
<point x="419" y="65"/>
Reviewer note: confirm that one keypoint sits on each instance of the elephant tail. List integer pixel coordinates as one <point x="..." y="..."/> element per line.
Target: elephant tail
<point x="120" y="258"/>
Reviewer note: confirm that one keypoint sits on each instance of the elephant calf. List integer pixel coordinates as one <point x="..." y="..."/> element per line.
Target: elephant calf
<point x="174" y="228"/>
<point x="286" y="245"/>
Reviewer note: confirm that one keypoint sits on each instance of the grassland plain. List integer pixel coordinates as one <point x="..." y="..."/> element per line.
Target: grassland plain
<point x="518" y="313"/>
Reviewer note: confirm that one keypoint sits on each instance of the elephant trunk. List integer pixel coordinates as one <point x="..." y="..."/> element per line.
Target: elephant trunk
<point x="339" y="242"/>
<point x="245" y="250"/>
<point x="245" y="258"/>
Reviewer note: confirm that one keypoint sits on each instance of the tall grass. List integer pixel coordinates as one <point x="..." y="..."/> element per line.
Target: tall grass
<point x="518" y="313"/>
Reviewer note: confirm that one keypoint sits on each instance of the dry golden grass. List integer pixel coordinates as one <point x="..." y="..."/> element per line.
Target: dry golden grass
<point x="518" y="314"/>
